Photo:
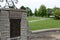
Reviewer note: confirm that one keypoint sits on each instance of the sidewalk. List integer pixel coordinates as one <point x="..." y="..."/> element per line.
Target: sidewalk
<point x="45" y="30"/>
<point x="38" y="20"/>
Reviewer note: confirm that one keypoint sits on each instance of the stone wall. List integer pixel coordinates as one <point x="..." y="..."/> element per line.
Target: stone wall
<point x="4" y="25"/>
<point x="5" y="15"/>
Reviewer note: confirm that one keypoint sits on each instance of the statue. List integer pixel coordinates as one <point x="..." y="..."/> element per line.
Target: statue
<point x="9" y="3"/>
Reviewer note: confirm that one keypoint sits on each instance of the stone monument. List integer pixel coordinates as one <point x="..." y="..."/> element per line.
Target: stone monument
<point x="13" y="24"/>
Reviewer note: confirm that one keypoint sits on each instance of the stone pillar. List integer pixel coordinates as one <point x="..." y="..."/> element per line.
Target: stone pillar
<point x="24" y="27"/>
<point x="4" y="25"/>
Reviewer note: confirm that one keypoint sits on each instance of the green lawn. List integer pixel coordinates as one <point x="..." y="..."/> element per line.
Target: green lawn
<point x="43" y="24"/>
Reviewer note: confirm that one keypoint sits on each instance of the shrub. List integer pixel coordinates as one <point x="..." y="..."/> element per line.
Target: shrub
<point x="57" y="14"/>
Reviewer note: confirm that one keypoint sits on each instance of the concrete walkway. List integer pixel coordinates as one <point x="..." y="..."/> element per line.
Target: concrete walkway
<point x="39" y="20"/>
<point x="46" y="34"/>
<point x="45" y="30"/>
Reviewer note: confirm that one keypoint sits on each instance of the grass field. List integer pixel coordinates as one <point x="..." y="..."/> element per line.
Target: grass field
<point x="43" y="24"/>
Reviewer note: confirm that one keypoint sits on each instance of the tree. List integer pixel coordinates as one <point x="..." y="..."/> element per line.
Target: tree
<point x="29" y="11"/>
<point x="31" y="14"/>
<point x="42" y="11"/>
<point x="22" y="7"/>
<point x="57" y="14"/>
<point x="56" y="11"/>
<point x="36" y="12"/>
<point x="56" y="8"/>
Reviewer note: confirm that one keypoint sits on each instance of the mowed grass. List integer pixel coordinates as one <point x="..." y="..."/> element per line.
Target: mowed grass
<point x="44" y="24"/>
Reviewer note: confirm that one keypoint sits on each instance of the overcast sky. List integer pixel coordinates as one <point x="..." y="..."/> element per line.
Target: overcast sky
<point x="37" y="3"/>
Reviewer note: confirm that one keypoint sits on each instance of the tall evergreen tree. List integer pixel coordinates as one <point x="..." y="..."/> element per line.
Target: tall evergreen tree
<point x="36" y="13"/>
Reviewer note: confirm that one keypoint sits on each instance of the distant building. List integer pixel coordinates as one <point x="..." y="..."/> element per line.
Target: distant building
<point x="50" y="12"/>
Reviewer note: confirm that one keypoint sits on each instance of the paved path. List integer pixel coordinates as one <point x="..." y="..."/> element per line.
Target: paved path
<point x="51" y="37"/>
<point x="45" y="30"/>
<point x="39" y="20"/>
<point x="47" y="36"/>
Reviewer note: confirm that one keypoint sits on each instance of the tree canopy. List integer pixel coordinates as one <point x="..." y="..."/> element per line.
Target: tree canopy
<point x="36" y="12"/>
<point x="41" y="11"/>
<point x="28" y="10"/>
